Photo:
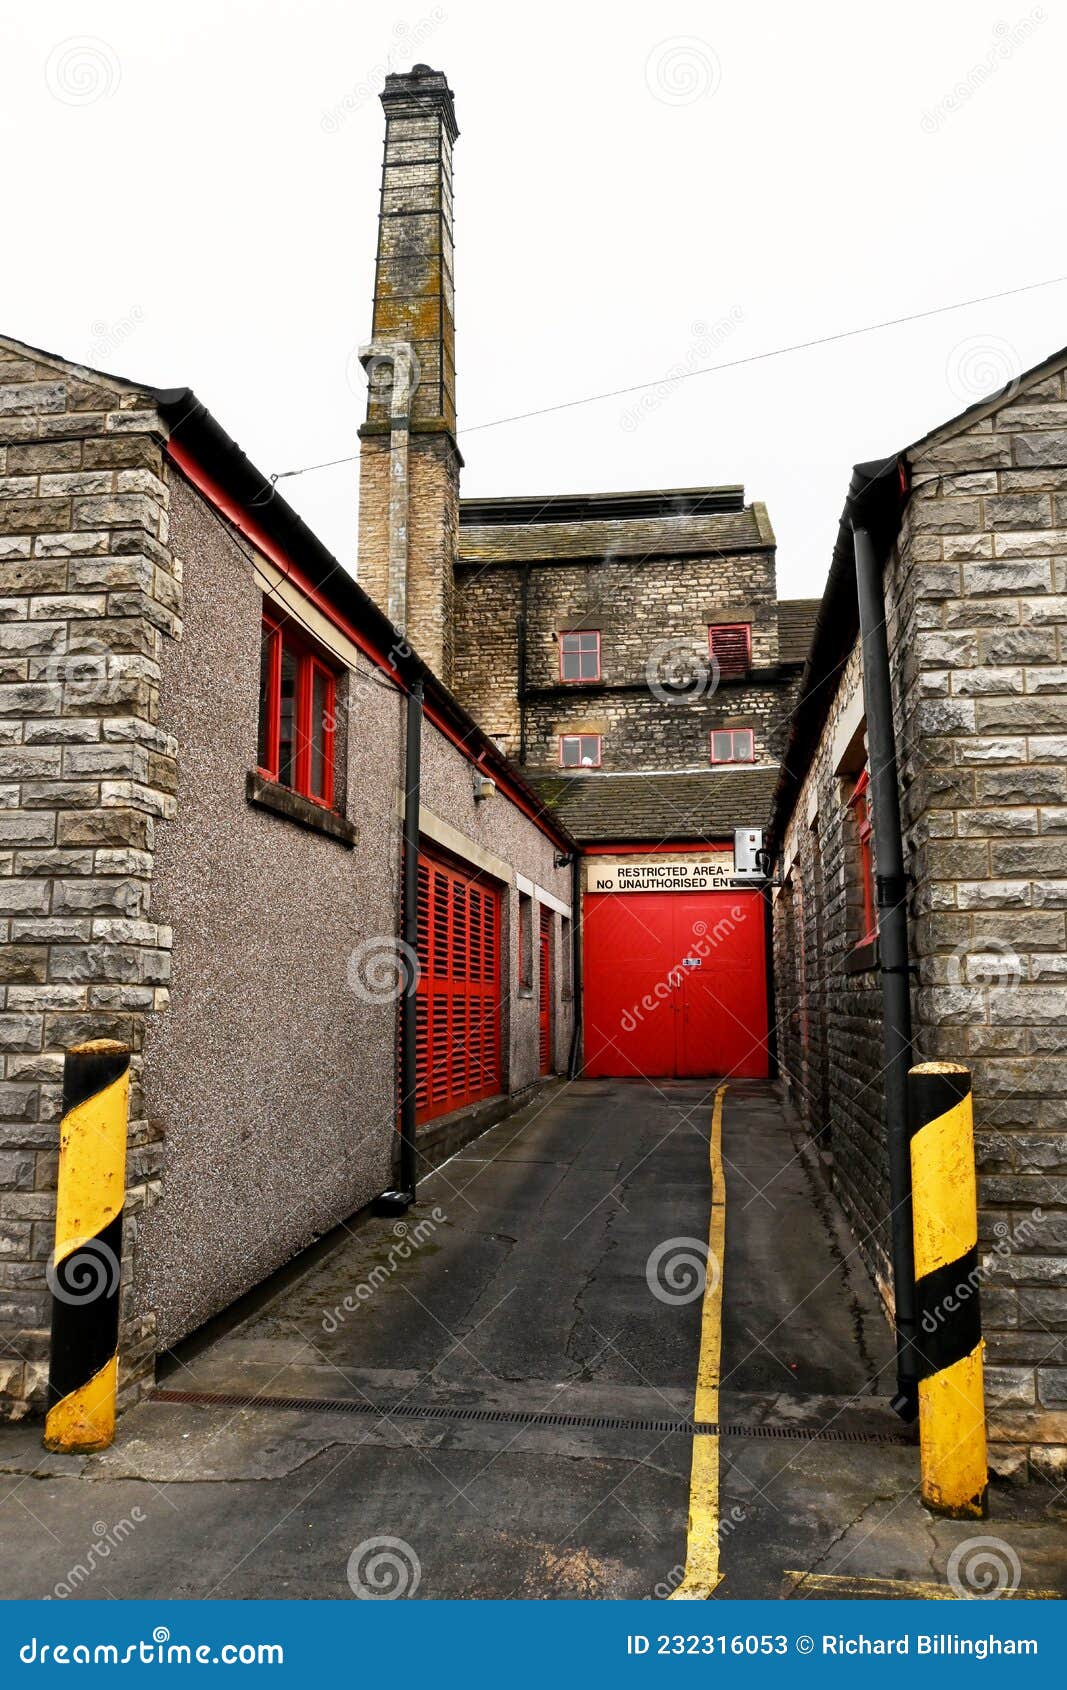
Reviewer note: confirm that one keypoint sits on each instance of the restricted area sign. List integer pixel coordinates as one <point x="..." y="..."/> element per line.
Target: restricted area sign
<point x="660" y="874"/>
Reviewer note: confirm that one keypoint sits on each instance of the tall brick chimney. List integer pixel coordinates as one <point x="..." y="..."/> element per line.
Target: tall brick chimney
<point x="409" y="461"/>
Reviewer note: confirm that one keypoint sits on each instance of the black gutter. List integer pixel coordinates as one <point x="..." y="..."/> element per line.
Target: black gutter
<point x="876" y="498"/>
<point x="891" y="894"/>
<point x="852" y="607"/>
<point x="192" y="426"/>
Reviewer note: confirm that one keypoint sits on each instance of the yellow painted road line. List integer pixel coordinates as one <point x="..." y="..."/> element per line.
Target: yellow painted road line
<point x="702" y="1573"/>
<point x="827" y="1587"/>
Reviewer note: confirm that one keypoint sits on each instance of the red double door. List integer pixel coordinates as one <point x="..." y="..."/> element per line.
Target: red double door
<point x="675" y="984"/>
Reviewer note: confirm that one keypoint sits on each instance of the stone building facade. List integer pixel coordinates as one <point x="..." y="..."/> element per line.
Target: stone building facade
<point x="976" y="597"/>
<point x="650" y="574"/>
<point x="141" y="834"/>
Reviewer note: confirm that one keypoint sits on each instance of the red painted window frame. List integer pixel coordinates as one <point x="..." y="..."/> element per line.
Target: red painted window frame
<point x="277" y="631"/>
<point x="733" y="732"/>
<point x="580" y="765"/>
<point x="860" y="805"/>
<point x="730" y="671"/>
<point x="578" y="634"/>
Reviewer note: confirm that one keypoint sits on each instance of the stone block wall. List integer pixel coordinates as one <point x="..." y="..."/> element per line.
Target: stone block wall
<point x="432" y="525"/>
<point x="653" y="616"/>
<point x="89" y="595"/>
<point x="977" y="613"/>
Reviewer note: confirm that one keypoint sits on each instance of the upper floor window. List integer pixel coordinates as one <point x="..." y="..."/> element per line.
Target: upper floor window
<point x="297" y="696"/>
<point x="730" y="644"/>
<point x="733" y="745"/>
<point x="579" y="656"/>
<point x="859" y="803"/>
<point x="579" y="751"/>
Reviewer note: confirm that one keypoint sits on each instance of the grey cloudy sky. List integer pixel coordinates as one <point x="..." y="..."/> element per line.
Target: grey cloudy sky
<point x="641" y="191"/>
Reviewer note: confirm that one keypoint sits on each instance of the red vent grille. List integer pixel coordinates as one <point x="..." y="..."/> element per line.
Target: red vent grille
<point x="458" y="999"/>
<point x="731" y="647"/>
<point x="545" y="990"/>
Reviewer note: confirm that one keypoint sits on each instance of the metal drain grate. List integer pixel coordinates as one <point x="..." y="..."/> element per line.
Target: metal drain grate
<point x="517" y="1417"/>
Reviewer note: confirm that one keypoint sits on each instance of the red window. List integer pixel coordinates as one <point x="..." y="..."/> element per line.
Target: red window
<point x="730" y="644"/>
<point x="579" y="656"/>
<point x="733" y="745"/>
<point x="297" y="696"/>
<point x="579" y="751"/>
<point x="457" y="1000"/>
<point x="860" y="805"/>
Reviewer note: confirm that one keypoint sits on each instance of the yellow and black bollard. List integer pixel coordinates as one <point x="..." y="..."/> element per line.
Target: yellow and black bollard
<point x="948" y="1340"/>
<point x="85" y="1269"/>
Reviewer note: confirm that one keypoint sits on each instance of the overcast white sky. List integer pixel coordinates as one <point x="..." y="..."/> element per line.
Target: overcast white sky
<point x="191" y="197"/>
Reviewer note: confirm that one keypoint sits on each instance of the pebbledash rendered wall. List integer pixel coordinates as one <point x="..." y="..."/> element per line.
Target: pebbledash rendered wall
<point x="263" y="1108"/>
<point x="272" y="1077"/>
<point x="977" y="622"/>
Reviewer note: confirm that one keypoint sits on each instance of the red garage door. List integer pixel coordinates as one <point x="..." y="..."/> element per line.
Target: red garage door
<point x="675" y="984"/>
<point x="457" y="1029"/>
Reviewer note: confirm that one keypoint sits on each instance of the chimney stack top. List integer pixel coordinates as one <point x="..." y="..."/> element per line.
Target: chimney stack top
<point x="420" y="89"/>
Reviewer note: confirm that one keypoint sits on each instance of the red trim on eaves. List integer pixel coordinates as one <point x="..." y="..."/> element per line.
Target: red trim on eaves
<point x="252" y="530"/>
<point x="592" y="847"/>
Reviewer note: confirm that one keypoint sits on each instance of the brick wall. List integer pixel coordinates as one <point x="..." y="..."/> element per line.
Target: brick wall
<point x="89" y="595"/>
<point x="978" y="636"/>
<point x="650" y="612"/>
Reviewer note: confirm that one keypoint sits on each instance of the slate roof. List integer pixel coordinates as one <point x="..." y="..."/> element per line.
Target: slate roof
<point x="680" y="522"/>
<point x="652" y="808"/>
<point x="796" y="625"/>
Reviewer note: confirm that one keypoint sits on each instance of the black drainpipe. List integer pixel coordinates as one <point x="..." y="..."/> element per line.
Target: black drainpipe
<point x="395" y="1202"/>
<point x="574" y="1066"/>
<point x="891" y="900"/>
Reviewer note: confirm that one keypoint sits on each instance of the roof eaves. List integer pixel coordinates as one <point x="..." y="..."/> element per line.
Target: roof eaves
<point x="192" y="425"/>
<point x="875" y="500"/>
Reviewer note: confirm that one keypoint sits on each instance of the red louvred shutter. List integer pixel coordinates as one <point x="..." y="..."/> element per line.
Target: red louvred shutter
<point x="731" y="647"/>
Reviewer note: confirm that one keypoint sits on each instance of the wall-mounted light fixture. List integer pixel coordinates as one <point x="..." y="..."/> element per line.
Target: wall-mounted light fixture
<point x="484" y="785"/>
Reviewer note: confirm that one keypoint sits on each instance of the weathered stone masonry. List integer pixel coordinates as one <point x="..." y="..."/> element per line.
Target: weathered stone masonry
<point x="977" y="620"/>
<point x="89" y="594"/>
